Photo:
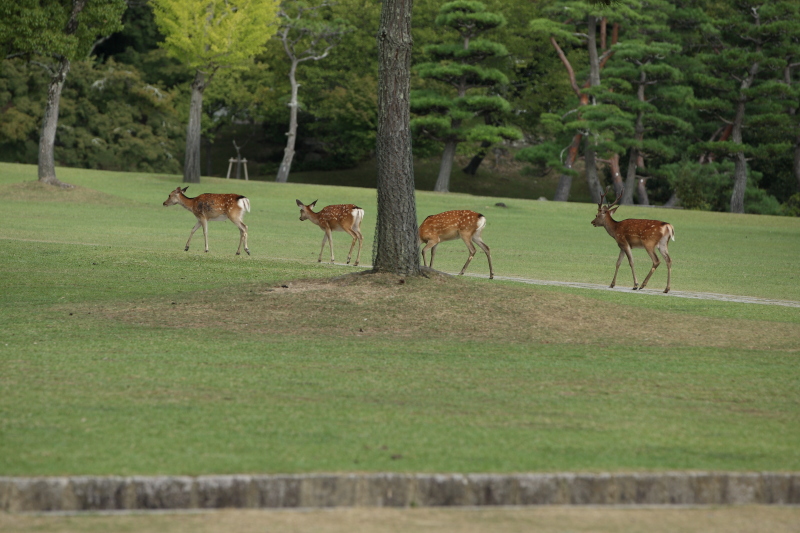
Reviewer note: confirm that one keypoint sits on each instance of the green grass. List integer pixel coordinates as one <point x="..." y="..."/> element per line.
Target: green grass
<point x="122" y="354"/>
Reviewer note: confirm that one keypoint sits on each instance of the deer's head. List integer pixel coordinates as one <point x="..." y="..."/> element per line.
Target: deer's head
<point x="605" y="210"/>
<point x="305" y="209"/>
<point x="174" y="196"/>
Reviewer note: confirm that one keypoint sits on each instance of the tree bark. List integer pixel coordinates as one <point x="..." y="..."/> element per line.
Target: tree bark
<point x="396" y="247"/>
<point x="590" y="155"/>
<point x="47" y="139"/>
<point x="740" y="163"/>
<point x="291" y="135"/>
<point x="565" y="180"/>
<point x="796" y="165"/>
<point x="446" y="167"/>
<point x="191" y="165"/>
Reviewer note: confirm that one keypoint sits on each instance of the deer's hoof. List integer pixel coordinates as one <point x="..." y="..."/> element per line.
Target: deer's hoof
<point x="248" y="251"/>
<point x="666" y="290"/>
<point x="237" y="253"/>
<point x="491" y="276"/>
<point x="186" y="249"/>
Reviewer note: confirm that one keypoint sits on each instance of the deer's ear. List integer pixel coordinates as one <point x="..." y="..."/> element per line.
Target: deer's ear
<point x="613" y="210"/>
<point x="312" y="204"/>
<point x="299" y="203"/>
<point x="184" y="189"/>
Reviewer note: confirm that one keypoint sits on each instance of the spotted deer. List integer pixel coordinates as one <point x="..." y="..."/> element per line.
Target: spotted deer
<point x="451" y="225"/>
<point x="216" y="207"/>
<point x="636" y="233"/>
<point x="341" y="217"/>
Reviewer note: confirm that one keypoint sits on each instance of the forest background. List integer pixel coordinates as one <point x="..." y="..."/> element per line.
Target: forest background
<point x="655" y="106"/>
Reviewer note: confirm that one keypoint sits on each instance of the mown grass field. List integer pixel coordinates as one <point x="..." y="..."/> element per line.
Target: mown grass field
<point x="122" y="354"/>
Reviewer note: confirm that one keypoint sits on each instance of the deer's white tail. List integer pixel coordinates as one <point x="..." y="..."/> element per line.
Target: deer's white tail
<point x="358" y="215"/>
<point x="244" y="203"/>
<point x="671" y="231"/>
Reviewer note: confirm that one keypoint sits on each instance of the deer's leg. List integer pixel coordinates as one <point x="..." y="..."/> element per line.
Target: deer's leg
<point x="352" y="245"/>
<point x="190" y="235"/>
<point x="477" y="240"/>
<point x="242" y="237"/>
<point x="627" y="252"/>
<point x="616" y="270"/>
<point x="472" y="251"/>
<point x="324" y="239"/>
<point x="360" y="242"/>
<point x="330" y="242"/>
<point x="662" y="247"/>
<point x="656" y="262"/>
<point x="430" y="245"/>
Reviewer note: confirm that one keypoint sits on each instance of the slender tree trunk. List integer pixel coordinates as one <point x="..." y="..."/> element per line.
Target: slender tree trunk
<point x="446" y="166"/>
<point x="47" y="139"/>
<point x="396" y="247"/>
<point x="477" y="159"/>
<point x="191" y="165"/>
<point x="291" y="135"/>
<point x="616" y="175"/>
<point x="565" y="180"/>
<point x="594" y="80"/>
<point x="590" y="156"/>
<point x="797" y="161"/>
<point x="635" y="155"/>
<point x="740" y="163"/>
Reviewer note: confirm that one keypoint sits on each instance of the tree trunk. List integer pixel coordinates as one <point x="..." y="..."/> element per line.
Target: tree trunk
<point x="47" y="140"/>
<point x="740" y="163"/>
<point x="446" y="167"/>
<point x="291" y="135"/>
<point x="641" y="192"/>
<point x="477" y="159"/>
<point x="565" y="181"/>
<point x="396" y="247"/>
<point x="635" y="155"/>
<point x="796" y="165"/>
<point x="591" y="172"/>
<point x="616" y="175"/>
<point x="191" y="165"/>
<point x="594" y="80"/>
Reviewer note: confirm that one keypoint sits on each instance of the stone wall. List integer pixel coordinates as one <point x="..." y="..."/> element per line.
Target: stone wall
<point x="395" y="490"/>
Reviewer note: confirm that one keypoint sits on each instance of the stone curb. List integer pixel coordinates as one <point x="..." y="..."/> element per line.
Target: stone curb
<point x="395" y="490"/>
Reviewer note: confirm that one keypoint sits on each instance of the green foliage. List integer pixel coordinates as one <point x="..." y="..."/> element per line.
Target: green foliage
<point x="41" y="28"/>
<point x="211" y="34"/>
<point x="792" y="206"/>
<point x="111" y="119"/>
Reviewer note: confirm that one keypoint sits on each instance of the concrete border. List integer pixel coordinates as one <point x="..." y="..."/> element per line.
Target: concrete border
<point x="86" y="493"/>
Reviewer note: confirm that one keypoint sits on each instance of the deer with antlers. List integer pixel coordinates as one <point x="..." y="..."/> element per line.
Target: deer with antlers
<point x="216" y="207"/>
<point x="636" y="233"/>
<point x="341" y="217"/>
<point x="451" y="225"/>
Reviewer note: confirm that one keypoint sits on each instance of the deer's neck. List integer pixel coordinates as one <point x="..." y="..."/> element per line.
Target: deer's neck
<point x="611" y="226"/>
<point x="187" y="202"/>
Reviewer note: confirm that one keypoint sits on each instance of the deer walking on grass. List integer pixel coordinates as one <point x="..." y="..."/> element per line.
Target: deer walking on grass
<point x="214" y="207"/>
<point x="450" y="225"/>
<point x="636" y="233"/>
<point x="341" y="217"/>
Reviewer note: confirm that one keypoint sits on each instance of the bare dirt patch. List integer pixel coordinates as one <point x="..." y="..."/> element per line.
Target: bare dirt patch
<point x="36" y="191"/>
<point x="545" y="519"/>
<point x="389" y="306"/>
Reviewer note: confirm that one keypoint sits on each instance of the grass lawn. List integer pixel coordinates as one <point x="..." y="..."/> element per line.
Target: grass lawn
<point x="122" y="354"/>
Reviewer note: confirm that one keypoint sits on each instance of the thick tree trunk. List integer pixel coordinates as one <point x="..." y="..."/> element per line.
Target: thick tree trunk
<point x="446" y="167"/>
<point x="191" y="165"/>
<point x="641" y="192"/>
<point x="47" y="139"/>
<point x="291" y="135"/>
<point x="396" y="247"/>
<point x="616" y="175"/>
<point x="740" y="163"/>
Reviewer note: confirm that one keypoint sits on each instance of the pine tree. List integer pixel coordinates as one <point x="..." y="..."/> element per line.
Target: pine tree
<point x="446" y="117"/>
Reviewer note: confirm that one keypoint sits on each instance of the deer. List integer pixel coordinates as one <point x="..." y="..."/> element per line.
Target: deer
<point x="450" y="225"/>
<point x="216" y="207"/>
<point x="636" y="233"/>
<point x="340" y="217"/>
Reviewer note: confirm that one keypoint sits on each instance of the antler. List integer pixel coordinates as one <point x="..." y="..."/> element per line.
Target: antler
<point x="615" y="202"/>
